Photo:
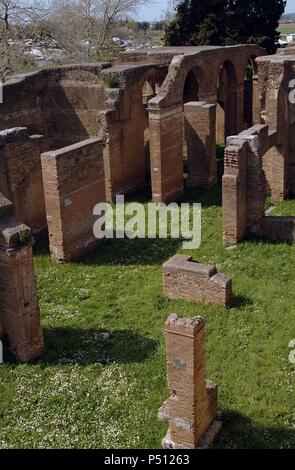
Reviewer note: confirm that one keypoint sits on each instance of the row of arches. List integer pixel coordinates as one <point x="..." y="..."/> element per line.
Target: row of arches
<point x="227" y="96"/>
<point x="233" y="97"/>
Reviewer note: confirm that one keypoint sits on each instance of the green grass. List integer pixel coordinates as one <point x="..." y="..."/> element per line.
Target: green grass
<point x="287" y="28"/>
<point x="103" y="377"/>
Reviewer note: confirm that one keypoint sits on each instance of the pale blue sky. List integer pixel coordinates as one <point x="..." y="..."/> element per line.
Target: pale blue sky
<point x="156" y="8"/>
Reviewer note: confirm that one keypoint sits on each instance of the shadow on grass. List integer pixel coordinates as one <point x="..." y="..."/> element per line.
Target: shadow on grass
<point x="240" y="301"/>
<point x="257" y="240"/>
<point x="240" y="432"/>
<point x="91" y="346"/>
<point x="123" y="252"/>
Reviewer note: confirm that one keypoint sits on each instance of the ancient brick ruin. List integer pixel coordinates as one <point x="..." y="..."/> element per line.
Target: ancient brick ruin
<point x="185" y="278"/>
<point x="73" y="185"/>
<point x="191" y="410"/>
<point x="74" y="136"/>
<point x="19" y="308"/>
<point x="260" y="161"/>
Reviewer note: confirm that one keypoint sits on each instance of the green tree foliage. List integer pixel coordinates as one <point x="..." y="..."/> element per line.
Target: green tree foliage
<point x="226" y="22"/>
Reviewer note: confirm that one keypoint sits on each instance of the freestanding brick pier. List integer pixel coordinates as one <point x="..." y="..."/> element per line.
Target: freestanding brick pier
<point x="73" y="185"/>
<point x="185" y="278"/>
<point x="19" y="308"/>
<point x="192" y="408"/>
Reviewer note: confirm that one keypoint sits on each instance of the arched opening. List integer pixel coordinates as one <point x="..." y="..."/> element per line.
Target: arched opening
<point x="251" y="95"/>
<point x="226" y="112"/>
<point x="191" y="88"/>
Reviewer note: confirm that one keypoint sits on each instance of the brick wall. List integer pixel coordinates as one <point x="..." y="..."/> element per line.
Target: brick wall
<point x="73" y="184"/>
<point x="21" y="176"/>
<point x="19" y="308"/>
<point x="184" y="278"/>
<point x="192" y="408"/>
<point x="124" y="130"/>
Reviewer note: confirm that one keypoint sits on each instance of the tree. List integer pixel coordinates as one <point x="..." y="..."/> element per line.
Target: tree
<point x="226" y="22"/>
<point x="144" y="26"/>
<point x="21" y="12"/>
<point x="80" y="23"/>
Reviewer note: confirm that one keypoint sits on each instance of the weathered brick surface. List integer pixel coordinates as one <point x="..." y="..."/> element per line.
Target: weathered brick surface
<point x="19" y="308"/>
<point x="200" y="131"/>
<point x="245" y="185"/>
<point x="192" y="408"/>
<point x="184" y="278"/>
<point x="21" y="176"/>
<point x="74" y="183"/>
<point x="166" y="145"/>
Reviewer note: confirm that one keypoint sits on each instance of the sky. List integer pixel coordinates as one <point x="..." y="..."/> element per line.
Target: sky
<point x="156" y="8"/>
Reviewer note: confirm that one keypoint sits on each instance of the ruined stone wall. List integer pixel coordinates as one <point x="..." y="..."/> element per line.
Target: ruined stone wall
<point x="19" y="308"/>
<point x="126" y="127"/>
<point x="184" y="278"/>
<point x="244" y="183"/>
<point x="166" y="112"/>
<point x="275" y="76"/>
<point x="21" y="176"/>
<point x="60" y="103"/>
<point x="192" y="408"/>
<point x="73" y="184"/>
<point x="71" y="105"/>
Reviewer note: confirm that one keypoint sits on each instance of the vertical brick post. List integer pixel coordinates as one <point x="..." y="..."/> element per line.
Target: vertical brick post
<point x="166" y="147"/>
<point x="19" y="308"/>
<point x="192" y="408"/>
<point x="200" y="132"/>
<point x="234" y="203"/>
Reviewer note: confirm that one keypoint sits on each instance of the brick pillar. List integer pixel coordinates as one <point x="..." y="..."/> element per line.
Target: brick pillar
<point x="192" y="408"/>
<point x="166" y="147"/>
<point x="19" y="308"/>
<point x="279" y="176"/>
<point x="200" y="132"/>
<point x="234" y="110"/>
<point x="256" y="180"/>
<point x="256" y="101"/>
<point x="234" y="206"/>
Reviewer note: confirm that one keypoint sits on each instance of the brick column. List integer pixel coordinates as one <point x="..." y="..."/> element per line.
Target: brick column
<point x="279" y="176"/>
<point x="166" y="147"/>
<point x="19" y="308"/>
<point x="234" y="205"/>
<point x="238" y="99"/>
<point x="256" y="101"/>
<point x="200" y="132"/>
<point x="192" y="408"/>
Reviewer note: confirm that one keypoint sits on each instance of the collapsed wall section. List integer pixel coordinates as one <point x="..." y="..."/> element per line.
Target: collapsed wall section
<point x="184" y="278"/>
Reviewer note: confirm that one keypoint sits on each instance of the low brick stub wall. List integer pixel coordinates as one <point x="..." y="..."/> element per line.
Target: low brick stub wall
<point x="74" y="183"/>
<point x="184" y="278"/>
<point x="192" y="408"/>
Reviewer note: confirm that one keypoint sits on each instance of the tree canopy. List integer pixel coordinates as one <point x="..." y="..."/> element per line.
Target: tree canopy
<point x="226" y="22"/>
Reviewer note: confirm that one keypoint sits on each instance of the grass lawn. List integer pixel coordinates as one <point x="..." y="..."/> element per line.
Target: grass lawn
<point x="287" y="28"/>
<point x="103" y="377"/>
